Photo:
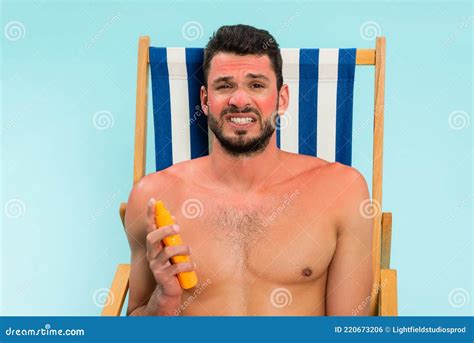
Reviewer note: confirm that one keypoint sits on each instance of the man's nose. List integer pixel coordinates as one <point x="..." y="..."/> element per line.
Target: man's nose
<point x="239" y="99"/>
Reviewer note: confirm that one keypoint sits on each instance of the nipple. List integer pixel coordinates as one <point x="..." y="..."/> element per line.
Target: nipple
<point x="307" y="272"/>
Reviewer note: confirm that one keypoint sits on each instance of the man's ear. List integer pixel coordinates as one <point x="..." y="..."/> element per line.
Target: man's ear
<point x="204" y="100"/>
<point x="283" y="99"/>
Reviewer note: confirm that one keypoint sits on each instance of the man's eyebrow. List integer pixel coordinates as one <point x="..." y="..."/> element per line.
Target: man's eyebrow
<point x="248" y="76"/>
<point x="222" y="79"/>
<point x="257" y="76"/>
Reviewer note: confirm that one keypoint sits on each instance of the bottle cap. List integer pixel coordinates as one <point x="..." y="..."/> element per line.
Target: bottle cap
<point x="162" y="215"/>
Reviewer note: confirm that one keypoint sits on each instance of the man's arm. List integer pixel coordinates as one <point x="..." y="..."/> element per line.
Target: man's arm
<point x="154" y="288"/>
<point x="350" y="276"/>
<point x="142" y="283"/>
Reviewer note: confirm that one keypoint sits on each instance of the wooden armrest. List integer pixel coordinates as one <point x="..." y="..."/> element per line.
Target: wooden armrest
<point x="388" y="293"/>
<point x="118" y="291"/>
<point x="386" y="239"/>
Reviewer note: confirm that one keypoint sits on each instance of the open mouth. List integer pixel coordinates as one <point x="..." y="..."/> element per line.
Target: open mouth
<point x="241" y="121"/>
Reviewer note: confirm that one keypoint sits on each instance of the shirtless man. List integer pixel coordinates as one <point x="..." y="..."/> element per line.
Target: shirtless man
<point x="271" y="232"/>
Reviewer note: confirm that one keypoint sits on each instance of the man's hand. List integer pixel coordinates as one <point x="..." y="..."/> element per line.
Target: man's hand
<point x="166" y="299"/>
<point x="159" y="255"/>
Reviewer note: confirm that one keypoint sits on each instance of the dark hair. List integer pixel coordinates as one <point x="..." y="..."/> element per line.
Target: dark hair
<point x="243" y="40"/>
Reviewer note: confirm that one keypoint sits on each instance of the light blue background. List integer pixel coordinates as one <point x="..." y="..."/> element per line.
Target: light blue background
<point x="61" y="244"/>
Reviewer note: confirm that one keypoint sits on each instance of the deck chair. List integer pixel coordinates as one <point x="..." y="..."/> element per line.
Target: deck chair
<point x="321" y="81"/>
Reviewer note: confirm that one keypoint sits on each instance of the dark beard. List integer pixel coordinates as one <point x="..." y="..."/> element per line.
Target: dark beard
<point x="240" y="146"/>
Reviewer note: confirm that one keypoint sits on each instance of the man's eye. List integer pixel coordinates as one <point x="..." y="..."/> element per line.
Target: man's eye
<point x="223" y="86"/>
<point x="257" y="85"/>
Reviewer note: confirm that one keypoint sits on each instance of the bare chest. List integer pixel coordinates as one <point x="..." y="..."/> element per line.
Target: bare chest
<point x="286" y="238"/>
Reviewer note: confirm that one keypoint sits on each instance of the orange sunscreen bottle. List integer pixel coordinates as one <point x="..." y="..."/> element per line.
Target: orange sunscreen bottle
<point x="163" y="218"/>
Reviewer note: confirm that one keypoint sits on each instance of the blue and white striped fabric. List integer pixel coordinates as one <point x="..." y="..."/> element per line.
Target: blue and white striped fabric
<point x="318" y="121"/>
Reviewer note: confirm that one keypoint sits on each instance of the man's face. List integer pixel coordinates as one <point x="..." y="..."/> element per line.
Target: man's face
<point x="242" y="102"/>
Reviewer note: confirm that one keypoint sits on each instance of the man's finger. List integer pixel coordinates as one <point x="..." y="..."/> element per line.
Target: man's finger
<point x="154" y="240"/>
<point x="150" y="218"/>
<point x="156" y="236"/>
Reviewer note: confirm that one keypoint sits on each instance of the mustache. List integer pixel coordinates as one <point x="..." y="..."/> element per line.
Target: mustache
<point x="235" y="110"/>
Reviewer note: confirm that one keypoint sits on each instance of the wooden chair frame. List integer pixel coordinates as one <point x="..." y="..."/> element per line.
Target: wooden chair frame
<point x="383" y="300"/>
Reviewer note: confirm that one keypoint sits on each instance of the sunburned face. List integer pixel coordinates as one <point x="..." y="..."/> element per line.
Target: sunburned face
<point x="242" y="102"/>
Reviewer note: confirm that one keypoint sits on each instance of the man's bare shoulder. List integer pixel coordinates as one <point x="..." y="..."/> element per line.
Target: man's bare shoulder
<point x="159" y="185"/>
<point x="343" y="185"/>
<point x="343" y="175"/>
<point x="352" y="194"/>
<point x="150" y="185"/>
<point x="347" y="177"/>
<point x="321" y="171"/>
<point x="163" y="179"/>
<point x="299" y="164"/>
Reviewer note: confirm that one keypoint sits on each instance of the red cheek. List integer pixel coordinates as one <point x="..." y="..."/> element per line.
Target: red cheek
<point x="267" y="105"/>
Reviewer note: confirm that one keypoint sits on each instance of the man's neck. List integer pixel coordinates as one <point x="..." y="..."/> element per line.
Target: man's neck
<point x="243" y="173"/>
